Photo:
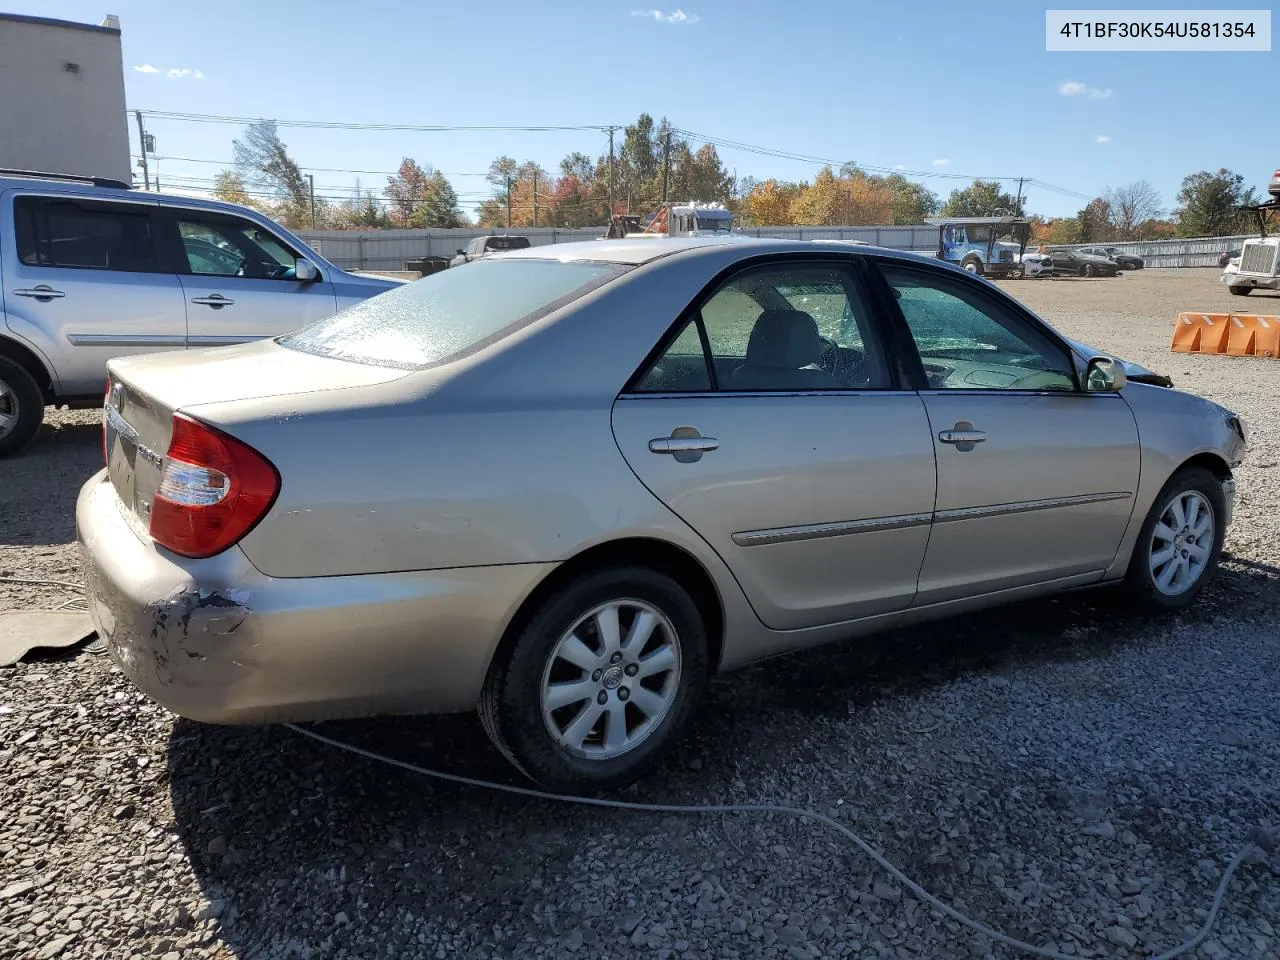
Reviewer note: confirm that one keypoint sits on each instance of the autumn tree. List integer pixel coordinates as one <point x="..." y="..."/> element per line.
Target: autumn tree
<point x="1131" y="206"/>
<point x="362" y="212"/>
<point x="406" y="190"/>
<point x="769" y="203"/>
<point x="229" y="187"/>
<point x="1093" y="223"/>
<point x="819" y="203"/>
<point x="263" y="160"/>
<point x="1064" y="230"/>
<point x="1208" y="204"/>
<point x="982" y="198"/>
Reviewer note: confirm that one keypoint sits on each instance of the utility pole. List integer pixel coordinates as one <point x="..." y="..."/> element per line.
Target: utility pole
<point x="1020" y="181"/>
<point x="311" y="189"/>
<point x="611" y="172"/>
<point x="508" y="203"/>
<point x="666" y="163"/>
<point x="535" y="198"/>
<point x="142" y="148"/>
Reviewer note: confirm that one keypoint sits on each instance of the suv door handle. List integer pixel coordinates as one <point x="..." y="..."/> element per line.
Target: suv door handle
<point x="685" y="444"/>
<point x="215" y="300"/>
<point x="42" y="292"/>
<point x="962" y="436"/>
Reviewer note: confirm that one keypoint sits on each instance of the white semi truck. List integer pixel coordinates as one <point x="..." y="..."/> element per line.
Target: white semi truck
<point x="1259" y="262"/>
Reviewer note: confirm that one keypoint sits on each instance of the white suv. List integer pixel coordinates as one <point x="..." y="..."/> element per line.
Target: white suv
<point x="91" y="270"/>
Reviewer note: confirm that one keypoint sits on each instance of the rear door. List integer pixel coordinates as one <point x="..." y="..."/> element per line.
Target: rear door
<point x="801" y="460"/>
<point x="85" y="280"/>
<point x="1036" y="478"/>
<point x="238" y="279"/>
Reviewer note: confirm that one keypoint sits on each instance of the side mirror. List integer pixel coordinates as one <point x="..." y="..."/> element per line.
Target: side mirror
<point x="1104" y="375"/>
<point x="461" y="252"/>
<point x="304" y="271"/>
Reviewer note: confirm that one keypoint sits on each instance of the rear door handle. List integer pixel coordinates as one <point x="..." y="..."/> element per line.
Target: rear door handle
<point x="215" y="300"/>
<point x="41" y="292"/>
<point x="685" y="445"/>
<point x="962" y="436"/>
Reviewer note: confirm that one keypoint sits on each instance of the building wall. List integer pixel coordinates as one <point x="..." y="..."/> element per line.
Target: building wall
<point x="56" y="118"/>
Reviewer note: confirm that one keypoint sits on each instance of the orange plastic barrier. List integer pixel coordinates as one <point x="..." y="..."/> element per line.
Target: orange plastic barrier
<point x="1233" y="334"/>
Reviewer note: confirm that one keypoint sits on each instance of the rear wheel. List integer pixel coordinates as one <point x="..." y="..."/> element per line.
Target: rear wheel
<point x="1241" y="291"/>
<point x="21" y="407"/>
<point x="1088" y="270"/>
<point x="600" y="682"/>
<point x="1179" y="544"/>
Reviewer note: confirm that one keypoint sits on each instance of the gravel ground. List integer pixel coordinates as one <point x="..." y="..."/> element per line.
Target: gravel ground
<point x="1068" y="774"/>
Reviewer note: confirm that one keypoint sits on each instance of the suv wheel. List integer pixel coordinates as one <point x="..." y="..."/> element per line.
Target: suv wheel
<point x="600" y="682"/>
<point x="1179" y="544"/>
<point x="21" y="407"/>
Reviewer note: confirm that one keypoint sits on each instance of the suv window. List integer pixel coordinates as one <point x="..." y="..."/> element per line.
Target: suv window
<point x="786" y="327"/>
<point x="968" y="340"/>
<point x="231" y="247"/>
<point x="447" y="314"/>
<point x="58" y="232"/>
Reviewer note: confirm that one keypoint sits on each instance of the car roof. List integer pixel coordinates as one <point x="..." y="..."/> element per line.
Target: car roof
<point x="635" y="252"/>
<point x="75" y="186"/>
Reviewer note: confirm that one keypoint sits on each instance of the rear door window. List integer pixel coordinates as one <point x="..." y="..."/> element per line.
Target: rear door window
<point x="449" y="314"/>
<point x="85" y="234"/>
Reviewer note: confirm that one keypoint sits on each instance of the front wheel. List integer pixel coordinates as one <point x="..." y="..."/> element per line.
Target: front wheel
<point x="973" y="265"/>
<point x="1240" y="291"/>
<point x="1180" y="542"/>
<point x="1087" y="270"/>
<point x="600" y="682"/>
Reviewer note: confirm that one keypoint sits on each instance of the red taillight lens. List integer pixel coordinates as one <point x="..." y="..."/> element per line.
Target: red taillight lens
<point x="213" y="489"/>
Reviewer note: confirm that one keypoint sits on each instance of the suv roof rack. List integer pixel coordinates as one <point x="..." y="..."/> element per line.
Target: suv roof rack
<point x="46" y="175"/>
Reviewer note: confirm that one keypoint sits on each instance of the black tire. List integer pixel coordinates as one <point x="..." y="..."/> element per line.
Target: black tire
<point x="20" y="394"/>
<point x="1241" y="291"/>
<point x="1088" y="270"/>
<point x="973" y="265"/>
<point x="1139" y="582"/>
<point x="511" y="703"/>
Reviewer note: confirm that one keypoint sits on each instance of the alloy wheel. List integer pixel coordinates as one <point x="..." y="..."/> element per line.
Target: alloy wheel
<point x="611" y="679"/>
<point x="1181" y="543"/>
<point x="8" y="409"/>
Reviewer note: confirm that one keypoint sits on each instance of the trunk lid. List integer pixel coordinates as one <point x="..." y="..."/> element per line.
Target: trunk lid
<point x="145" y="391"/>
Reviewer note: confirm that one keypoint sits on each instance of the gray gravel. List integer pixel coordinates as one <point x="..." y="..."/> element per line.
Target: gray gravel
<point x="1065" y="773"/>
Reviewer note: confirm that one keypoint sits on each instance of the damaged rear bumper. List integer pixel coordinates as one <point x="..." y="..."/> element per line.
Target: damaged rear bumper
<point x="218" y="641"/>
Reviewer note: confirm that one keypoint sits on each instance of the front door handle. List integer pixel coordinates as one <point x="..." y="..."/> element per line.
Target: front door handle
<point x="215" y="300"/>
<point x="962" y="436"/>
<point x="685" y="444"/>
<point x="42" y="292"/>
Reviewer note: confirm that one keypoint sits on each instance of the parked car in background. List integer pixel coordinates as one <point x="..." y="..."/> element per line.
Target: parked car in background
<point x="91" y="270"/>
<point x="569" y="484"/>
<point x="1075" y="262"/>
<point x="1227" y="256"/>
<point x="481" y="247"/>
<point x="1125" y="261"/>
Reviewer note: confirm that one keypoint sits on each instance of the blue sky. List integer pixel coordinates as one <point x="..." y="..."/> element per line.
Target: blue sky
<point x="941" y="87"/>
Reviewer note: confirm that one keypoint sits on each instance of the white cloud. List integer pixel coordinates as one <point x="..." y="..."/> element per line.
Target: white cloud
<point x="675" y="16"/>
<point x="942" y="162"/>
<point x="1073" y="88"/>
<point x="174" y="73"/>
<point x="1102" y="138"/>
<point x="899" y="166"/>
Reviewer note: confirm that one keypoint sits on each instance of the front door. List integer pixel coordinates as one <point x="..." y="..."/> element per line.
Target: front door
<point x="772" y="426"/>
<point x="84" y="282"/>
<point x="239" y="280"/>
<point x="1036" y="478"/>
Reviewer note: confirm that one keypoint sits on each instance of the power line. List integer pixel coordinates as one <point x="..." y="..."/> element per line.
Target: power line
<point x="230" y="165"/>
<point x="344" y="125"/>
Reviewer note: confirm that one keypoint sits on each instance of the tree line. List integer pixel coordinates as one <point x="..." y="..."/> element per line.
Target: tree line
<point x="651" y="161"/>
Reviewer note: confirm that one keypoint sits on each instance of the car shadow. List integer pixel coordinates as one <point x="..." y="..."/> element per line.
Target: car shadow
<point x="42" y="482"/>
<point x="269" y="817"/>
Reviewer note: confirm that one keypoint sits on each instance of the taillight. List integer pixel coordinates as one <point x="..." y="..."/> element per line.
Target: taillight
<point x="213" y="490"/>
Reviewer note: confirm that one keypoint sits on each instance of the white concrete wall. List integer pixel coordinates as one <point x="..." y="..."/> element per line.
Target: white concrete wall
<point x="54" y="118"/>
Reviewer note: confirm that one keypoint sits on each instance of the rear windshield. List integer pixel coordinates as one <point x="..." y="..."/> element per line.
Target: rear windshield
<point x="506" y="243"/>
<point x="447" y="314"/>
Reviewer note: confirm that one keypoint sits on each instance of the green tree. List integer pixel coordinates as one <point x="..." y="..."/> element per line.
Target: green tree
<point x="1208" y="204"/>
<point x="982" y="198"/>
<point x="1064" y="230"/>
<point x="912" y="201"/>
<point x="362" y="212"/>
<point x="406" y="190"/>
<point x="1093" y="223"/>
<point x="439" y="205"/>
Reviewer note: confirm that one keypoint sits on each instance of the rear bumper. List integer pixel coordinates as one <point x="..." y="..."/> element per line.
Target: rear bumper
<point x="215" y="640"/>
